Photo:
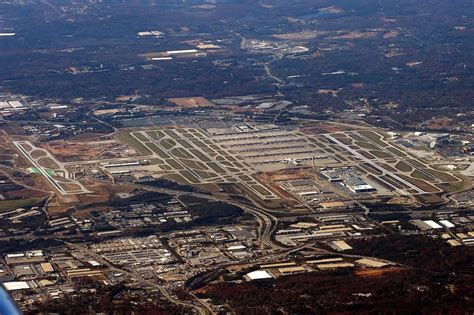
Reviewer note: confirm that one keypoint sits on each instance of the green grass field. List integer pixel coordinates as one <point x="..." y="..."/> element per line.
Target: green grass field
<point x="403" y="167"/>
<point x="199" y="144"/>
<point x="140" y="137"/>
<point x="190" y="177"/>
<point x="199" y="155"/>
<point x="128" y="139"/>
<point x="366" y="145"/>
<point x="421" y="175"/>
<point x="167" y="143"/>
<point x="381" y="154"/>
<point x="420" y="184"/>
<point x="205" y="175"/>
<point x="262" y="190"/>
<point x="7" y="205"/>
<point x="157" y="150"/>
<point x="174" y="164"/>
<point x="181" y="153"/>
<point x="195" y="165"/>
<point x="415" y="163"/>
<point x="464" y="184"/>
<point x="356" y="137"/>
<point x="216" y="168"/>
<point x="171" y="133"/>
<point x="430" y="198"/>
<point x="374" y="137"/>
<point x="396" y="152"/>
<point x="156" y="135"/>
<point x="445" y="177"/>
<point x="185" y="143"/>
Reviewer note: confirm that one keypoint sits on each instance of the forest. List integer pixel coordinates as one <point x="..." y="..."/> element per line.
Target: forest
<point x="433" y="277"/>
<point x="416" y="55"/>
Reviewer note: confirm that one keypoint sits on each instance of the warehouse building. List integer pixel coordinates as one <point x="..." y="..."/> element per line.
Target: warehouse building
<point x="357" y="185"/>
<point x="258" y="275"/>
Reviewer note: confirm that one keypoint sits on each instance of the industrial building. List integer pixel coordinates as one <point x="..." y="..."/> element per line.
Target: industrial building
<point x="258" y="275"/>
<point x="357" y="185"/>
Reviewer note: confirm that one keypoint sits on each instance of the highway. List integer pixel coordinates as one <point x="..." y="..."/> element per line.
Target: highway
<point x="267" y="223"/>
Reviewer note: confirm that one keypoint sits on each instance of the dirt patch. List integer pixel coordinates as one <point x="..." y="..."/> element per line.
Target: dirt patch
<point x="70" y="187"/>
<point x="63" y="204"/>
<point x="191" y="102"/>
<point x="84" y="151"/>
<point x="430" y="198"/>
<point x="440" y="123"/>
<point x="101" y="192"/>
<point x="377" y="272"/>
<point x="86" y="136"/>
<point x="291" y="174"/>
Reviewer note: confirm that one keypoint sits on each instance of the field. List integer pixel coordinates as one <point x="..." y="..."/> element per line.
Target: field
<point x="6" y="205"/>
<point x="134" y="142"/>
<point x="242" y="155"/>
<point x="193" y="158"/>
<point x="388" y="164"/>
<point x="66" y="151"/>
<point x="191" y="102"/>
<point x="47" y="165"/>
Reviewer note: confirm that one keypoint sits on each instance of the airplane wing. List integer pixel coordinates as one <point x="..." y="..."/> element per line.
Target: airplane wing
<point x="7" y="306"/>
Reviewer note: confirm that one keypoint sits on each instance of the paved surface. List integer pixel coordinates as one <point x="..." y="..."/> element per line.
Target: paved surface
<point x="375" y="165"/>
<point x="54" y="182"/>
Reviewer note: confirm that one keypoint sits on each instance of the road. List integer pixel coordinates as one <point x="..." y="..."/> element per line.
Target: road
<point x="267" y="223"/>
<point x="55" y="183"/>
<point x="210" y="275"/>
<point x="328" y="186"/>
<point x="375" y="165"/>
<point x="48" y="192"/>
<point x="268" y="70"/>
<point x="201" y="309"/>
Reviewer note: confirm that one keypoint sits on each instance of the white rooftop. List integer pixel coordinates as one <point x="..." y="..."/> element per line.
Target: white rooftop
<point x="433" y="224"/>
<point x="446" y="223"/>
<point x="16" y="285"/>
<point x="259" y="274"/>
